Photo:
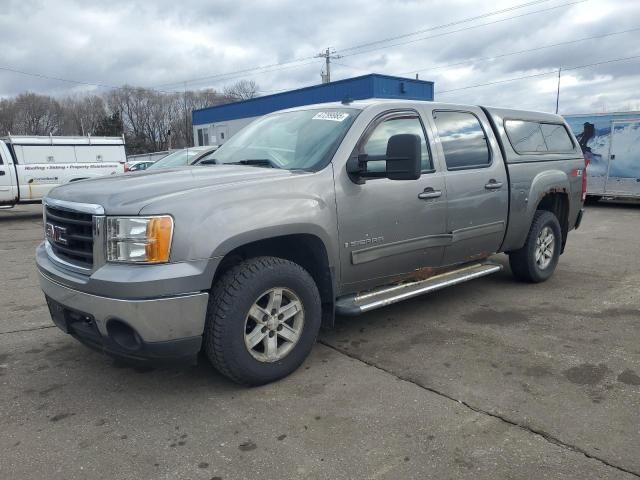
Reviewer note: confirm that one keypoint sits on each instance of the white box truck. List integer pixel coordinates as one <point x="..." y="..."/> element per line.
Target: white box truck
<point x="30" y="166"/>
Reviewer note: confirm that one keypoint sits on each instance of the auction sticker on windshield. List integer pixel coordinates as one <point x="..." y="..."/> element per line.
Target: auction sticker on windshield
<point x="331" y="116"/>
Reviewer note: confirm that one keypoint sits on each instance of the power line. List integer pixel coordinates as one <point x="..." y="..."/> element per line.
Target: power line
<point x="518" y="52"/>
<point x="450" y="24"/>
<point x="235" y="73"/>
<point x="289" y="64"/>
<point x="555" y="71"/>
<point x="77" y="82"/>
<point x="474" y="60"/>
<point x="301" y="59"/>
<point x="48" y="77"/>
<point x="233" y="77"/>
<point x="286" y="65"/>
<point x="472" y="27"/>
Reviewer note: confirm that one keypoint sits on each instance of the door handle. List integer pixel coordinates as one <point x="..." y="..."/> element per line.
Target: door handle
<point x="613" y="157"/>
<point x="429" y="193"/>
<point x="493" y="185"/>
<point x="1" y="173"/>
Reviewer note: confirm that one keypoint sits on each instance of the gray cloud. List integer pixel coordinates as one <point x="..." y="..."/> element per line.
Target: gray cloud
<point x="167" y="42"/>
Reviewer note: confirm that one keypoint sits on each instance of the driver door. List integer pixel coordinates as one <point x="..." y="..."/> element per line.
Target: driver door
<point x="390" y="228"/>
<point x="8" y="189"/>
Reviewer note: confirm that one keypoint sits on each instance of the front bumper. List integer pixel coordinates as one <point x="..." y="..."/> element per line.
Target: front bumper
<point x="165" y="328"/>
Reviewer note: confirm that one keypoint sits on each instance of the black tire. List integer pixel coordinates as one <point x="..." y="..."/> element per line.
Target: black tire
<point x="523" y="262"/>
<point x="232" y="297"/>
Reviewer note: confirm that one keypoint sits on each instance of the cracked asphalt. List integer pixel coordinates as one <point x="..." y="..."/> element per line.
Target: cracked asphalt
<point x="490" y="379"/>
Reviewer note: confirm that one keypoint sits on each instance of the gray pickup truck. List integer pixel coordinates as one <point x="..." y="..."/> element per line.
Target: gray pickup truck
<point x="306" y="213"/>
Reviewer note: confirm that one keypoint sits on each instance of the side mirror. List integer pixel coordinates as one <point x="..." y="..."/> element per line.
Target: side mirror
<point x="404" y="157"/>
<point x="403" y="161"/>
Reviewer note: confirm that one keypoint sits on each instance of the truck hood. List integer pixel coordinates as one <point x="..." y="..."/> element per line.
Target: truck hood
<point x="128" y="194"/>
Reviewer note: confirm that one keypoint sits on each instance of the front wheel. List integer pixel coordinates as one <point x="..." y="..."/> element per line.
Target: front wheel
<point x="537" y="260"/>
<point x="263" y="319"/>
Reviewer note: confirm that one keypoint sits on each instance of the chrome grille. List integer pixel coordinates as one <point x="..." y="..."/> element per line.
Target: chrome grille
<point x="70" y="235"/>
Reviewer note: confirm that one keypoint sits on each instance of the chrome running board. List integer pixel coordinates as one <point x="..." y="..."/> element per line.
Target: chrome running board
<point x="356" y="304"/>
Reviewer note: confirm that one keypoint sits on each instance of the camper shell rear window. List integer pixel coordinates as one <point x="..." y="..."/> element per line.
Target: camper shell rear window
<point x="532" y="137"/>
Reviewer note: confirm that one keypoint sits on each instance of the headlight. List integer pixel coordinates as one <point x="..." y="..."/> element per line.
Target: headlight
<point x="139" y="239"/>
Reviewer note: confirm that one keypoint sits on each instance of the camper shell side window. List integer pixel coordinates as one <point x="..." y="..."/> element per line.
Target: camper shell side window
<point x="531" y="137"/>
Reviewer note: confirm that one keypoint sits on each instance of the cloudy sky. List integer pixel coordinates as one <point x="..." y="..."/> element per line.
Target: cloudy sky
<point x="209" y="43"/>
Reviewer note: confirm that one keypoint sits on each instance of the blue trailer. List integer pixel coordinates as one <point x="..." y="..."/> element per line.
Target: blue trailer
<point x="611" y="144"/>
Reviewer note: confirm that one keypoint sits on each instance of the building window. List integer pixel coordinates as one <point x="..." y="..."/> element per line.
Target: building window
<point x="200" y="139"/>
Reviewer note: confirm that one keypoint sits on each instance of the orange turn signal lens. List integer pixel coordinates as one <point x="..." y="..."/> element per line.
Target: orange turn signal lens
<point x="159" y="233"/>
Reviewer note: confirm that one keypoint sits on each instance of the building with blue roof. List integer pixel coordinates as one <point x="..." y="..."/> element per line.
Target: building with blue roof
<point x="214" y="125"/>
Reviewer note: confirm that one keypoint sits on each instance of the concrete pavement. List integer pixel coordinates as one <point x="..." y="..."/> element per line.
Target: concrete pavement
<point x="490" y="379"/>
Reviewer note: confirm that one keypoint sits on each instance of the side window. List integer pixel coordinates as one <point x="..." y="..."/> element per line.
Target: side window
<point x="463" y="140"/>
<point x="556" y="137"/>
<point x="376" y="144"/>
<point x="525" y="136"/>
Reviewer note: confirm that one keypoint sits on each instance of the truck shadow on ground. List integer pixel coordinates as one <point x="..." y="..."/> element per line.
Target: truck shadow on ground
<point x="620" y="204"/>
<point x="8" y="216"/>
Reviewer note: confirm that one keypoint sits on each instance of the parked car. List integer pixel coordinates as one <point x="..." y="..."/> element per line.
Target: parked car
<point x="308" y="212"/>
<point x="184" y="157"/>
<point x="137" y="166"/>
<point x="30" y="166"/>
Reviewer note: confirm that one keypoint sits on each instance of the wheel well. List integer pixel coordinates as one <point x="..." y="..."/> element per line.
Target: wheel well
<point x="558" y="204"/>
<point x="306" y="250"/>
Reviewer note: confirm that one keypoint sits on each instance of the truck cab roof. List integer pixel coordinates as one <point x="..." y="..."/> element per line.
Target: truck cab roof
<point x="368" y="103"/>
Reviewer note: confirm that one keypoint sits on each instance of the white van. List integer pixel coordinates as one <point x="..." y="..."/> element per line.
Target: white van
<point x="31" y="166"/>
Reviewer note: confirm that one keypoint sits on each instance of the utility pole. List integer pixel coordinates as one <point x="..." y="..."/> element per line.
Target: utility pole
<point x="186" y="119"/>
<point x="558" y="93"/>
<point x="328" y="55"/>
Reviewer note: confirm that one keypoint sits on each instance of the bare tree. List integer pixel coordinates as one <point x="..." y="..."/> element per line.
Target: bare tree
<point x="37" y="114"/>
<point x="7" y="116"/>
<point x="82" y="115"/>
<point x="241" y="90"/>
<point x="146" y="117"/>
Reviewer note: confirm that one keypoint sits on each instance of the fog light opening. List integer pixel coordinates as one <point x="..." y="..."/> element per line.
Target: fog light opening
<point x="123" y="335"/>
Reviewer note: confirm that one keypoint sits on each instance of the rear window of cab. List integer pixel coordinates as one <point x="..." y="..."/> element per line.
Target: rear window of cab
<point x="528" y="137"/>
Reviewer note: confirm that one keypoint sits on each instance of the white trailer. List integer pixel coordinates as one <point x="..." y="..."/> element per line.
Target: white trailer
<point x="30" y="166"/>
<point x="611" y="144"/>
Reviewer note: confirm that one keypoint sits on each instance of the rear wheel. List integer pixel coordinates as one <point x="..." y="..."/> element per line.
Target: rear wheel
<point x="537" y="260"/>
<point x="263" y="319"/>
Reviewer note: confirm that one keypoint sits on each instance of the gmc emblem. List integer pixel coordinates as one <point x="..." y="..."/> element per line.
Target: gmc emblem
<point x="56" y="234"/>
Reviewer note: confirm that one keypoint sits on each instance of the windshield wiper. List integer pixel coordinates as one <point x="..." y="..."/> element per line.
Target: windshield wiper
<point x="256" y="162"/>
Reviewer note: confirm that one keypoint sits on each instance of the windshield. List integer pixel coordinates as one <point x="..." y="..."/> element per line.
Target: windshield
<point x="176" y="159"/>
<point x="303" y="139"/>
